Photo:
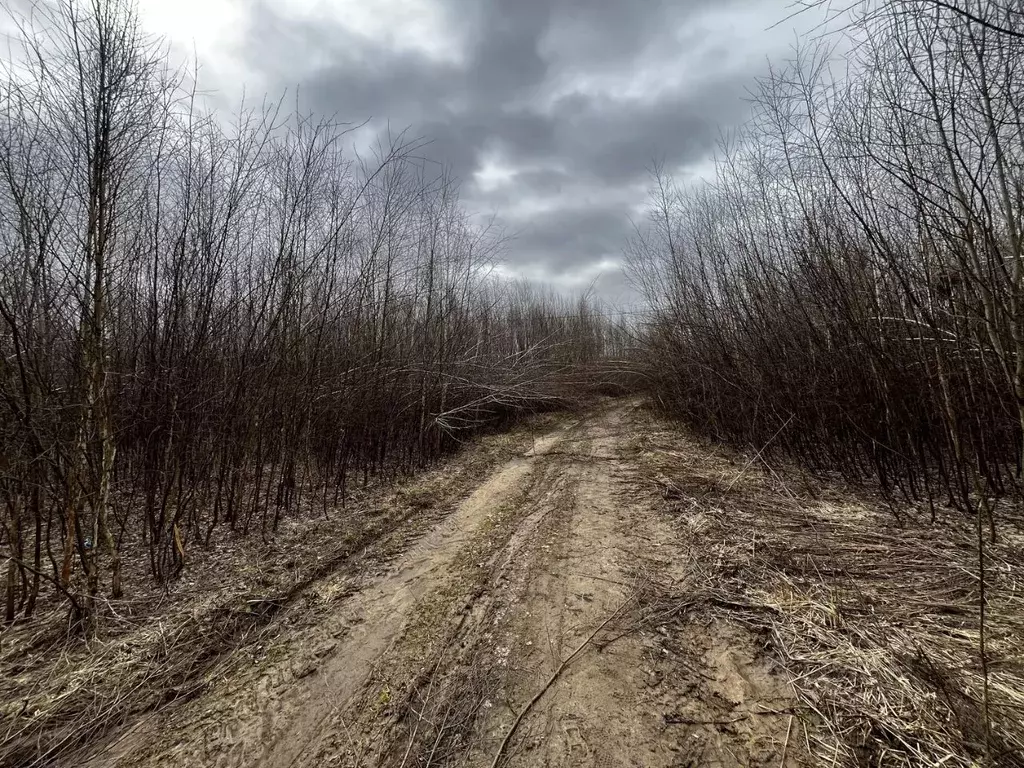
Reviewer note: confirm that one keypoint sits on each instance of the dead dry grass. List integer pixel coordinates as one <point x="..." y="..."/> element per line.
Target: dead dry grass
<point x="875" y="623"/>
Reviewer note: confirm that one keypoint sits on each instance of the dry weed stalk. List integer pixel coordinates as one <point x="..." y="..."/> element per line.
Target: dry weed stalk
<point x="877" y="625"/>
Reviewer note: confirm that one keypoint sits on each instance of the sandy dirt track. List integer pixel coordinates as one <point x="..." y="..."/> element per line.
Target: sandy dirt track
<point x="595" y="589"/>
<point x="528" y="605"/>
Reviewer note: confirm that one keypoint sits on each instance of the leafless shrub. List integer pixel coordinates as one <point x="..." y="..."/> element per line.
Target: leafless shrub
<point x="849" y="290"/>
<point x="206" y="324"/>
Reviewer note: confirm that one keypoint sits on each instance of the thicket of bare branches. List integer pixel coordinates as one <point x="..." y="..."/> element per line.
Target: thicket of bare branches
<point x="206" y="318"/>
<point x="849" y="289"/>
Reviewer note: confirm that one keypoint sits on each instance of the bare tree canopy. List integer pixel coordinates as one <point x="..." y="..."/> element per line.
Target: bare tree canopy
<point x="1004" y="17"/>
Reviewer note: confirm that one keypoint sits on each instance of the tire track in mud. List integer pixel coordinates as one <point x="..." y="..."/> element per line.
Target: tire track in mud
<point x="450" y="659"/>
<point x="379" y="617"/>
<point x="605" y="542"/>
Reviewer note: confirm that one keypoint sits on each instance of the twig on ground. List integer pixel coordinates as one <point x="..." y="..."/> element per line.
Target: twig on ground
<point x="785" y="747"/>
<point x="551" y="681"/>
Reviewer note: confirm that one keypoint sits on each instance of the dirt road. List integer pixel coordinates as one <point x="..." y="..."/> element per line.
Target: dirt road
<point x="523" y="629"/>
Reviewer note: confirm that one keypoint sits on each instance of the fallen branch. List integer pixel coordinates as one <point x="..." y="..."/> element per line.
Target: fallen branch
<point x="561" y="668"/>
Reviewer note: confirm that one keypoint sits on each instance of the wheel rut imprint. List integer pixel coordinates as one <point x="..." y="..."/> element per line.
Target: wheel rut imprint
<point x="454" y="547"/>
<point x="480" y="663"/>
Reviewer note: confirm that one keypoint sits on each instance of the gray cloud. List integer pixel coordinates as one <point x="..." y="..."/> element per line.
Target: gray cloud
<point x="573" y="99"/>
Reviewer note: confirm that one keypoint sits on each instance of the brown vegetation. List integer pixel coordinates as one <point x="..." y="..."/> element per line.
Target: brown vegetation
<point x="849" y="292"/>
<point x="875" y="623"/>
<point x="206" y="322"/>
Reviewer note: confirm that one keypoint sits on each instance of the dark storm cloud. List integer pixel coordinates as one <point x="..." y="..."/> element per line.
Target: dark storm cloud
<point x="518" y="93"/>
<point x="614" y="139"/>
<point x="570" y="239"/>
<point x="505" y="59"/>
<point x="343" y="73"/>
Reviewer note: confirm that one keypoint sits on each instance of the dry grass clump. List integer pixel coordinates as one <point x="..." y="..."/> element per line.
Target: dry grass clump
<point x="877" y="624"/>
<point x="86" y="694"/>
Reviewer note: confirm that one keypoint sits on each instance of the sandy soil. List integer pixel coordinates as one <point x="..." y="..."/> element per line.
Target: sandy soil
<point x="524" y="628"/>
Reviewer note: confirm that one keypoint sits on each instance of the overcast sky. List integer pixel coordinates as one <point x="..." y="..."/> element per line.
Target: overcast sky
<point x="549" y="112"/>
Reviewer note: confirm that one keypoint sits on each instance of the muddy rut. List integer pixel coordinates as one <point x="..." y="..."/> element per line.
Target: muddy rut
<point x="522" y="629"/>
